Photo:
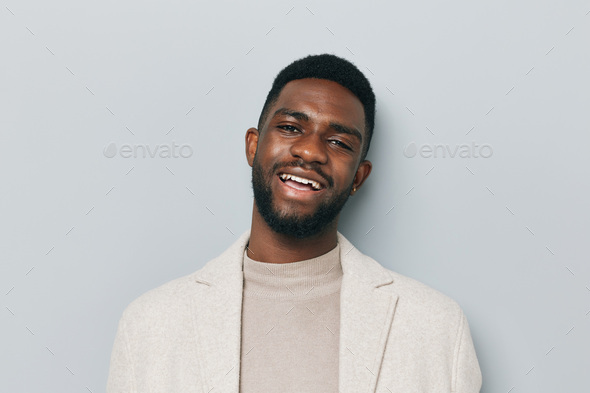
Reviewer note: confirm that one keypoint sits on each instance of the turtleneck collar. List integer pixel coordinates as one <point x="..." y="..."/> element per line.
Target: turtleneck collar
<point x="306" y="279"/>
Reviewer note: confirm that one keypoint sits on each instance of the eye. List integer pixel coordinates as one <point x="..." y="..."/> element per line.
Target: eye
<point x="288" y="127"/>
<point x="340" y="143"/>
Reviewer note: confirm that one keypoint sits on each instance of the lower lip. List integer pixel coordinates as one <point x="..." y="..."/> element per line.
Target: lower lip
<point x="295" y="193"/>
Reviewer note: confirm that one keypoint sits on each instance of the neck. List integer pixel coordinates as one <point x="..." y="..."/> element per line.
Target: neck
<point x="266" y="245"/>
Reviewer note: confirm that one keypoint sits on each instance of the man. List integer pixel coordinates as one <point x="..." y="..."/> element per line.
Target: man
<point x="292" y="306"/>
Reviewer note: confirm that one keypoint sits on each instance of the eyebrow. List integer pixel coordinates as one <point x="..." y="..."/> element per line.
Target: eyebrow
<point x="340" y="128"/>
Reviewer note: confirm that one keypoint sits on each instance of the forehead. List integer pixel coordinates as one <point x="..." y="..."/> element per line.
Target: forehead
<point x="322" y="99"/>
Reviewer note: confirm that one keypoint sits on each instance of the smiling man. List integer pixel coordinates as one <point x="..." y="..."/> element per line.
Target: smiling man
<point x="292" y="306"/>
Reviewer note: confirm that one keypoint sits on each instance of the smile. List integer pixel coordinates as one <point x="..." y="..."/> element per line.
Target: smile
<point x="300" y="183"/>
<point x="292" y="187"/>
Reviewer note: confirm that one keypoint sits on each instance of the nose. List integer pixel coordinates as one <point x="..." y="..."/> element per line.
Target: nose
<point x="310" y="148"/>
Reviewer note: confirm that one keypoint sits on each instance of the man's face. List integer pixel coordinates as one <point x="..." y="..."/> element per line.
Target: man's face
<point x="315" y="131"/>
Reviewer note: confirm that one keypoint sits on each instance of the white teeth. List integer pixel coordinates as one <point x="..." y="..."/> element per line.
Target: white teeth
<point x="314" y="184"/>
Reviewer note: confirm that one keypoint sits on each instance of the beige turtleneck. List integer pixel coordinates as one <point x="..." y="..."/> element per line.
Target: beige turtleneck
<point x="291" y="325"/>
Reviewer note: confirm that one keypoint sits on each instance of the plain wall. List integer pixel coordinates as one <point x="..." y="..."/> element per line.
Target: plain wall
<point x="501" y="225"/>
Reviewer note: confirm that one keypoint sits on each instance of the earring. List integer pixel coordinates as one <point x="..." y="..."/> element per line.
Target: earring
<point x="354" y="189"/>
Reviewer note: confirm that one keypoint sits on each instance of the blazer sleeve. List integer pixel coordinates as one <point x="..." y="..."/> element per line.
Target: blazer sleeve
<point x="121" y="377"/>
<point x="467" y="374"/>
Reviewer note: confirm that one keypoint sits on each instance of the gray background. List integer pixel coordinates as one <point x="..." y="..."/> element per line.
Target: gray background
<point x="83" y="234"/>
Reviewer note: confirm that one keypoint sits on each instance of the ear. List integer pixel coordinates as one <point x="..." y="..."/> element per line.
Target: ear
<point x="252" y="135"/>
<point x="362" y="173"/>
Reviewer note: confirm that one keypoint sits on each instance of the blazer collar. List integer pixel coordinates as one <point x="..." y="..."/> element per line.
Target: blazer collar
<point x="367" y="305"/>
<point x="354" y="263"/>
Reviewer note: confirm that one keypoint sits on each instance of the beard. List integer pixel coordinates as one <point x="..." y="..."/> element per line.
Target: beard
<point x="293" y="224"/>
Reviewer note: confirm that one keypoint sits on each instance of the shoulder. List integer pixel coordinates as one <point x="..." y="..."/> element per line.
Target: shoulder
<point x="165" y="302"/>
<point x="174" y="302"/>
<point x="420" y="295"/>
<point x="413" y="297"/>
<point x="424" y="312"/>
<point x="433" y="321"/>
<point x="429" y="338"/>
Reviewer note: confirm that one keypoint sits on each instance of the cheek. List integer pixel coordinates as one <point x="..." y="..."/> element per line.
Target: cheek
<point x="272" y="149"/>
<point x="345" y="174"/>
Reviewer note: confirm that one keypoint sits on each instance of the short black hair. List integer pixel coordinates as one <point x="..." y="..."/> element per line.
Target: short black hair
<point x="329" y="67"/>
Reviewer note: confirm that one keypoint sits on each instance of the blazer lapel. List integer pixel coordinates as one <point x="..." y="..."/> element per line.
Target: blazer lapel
<point x="367" y="305"/>
<point x="217" y="313"/>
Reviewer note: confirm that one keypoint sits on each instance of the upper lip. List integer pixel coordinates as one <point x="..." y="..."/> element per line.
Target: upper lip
<point x="304" y="174"/>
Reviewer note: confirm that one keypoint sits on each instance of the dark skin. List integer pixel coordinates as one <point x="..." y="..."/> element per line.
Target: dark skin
<point x="313" y="122"/>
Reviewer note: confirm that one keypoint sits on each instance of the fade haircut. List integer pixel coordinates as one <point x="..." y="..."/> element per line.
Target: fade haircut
<point x="332" y="68"/>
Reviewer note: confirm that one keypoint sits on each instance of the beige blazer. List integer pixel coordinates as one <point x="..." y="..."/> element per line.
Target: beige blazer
<point x="396" y="334"/>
